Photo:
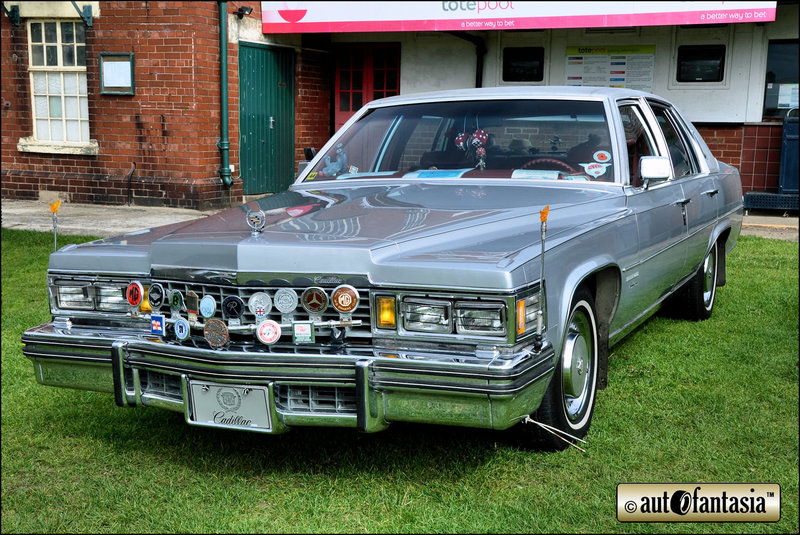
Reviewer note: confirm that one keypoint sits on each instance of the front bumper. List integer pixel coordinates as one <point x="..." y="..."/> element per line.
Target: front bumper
<point x="358" y="389"/>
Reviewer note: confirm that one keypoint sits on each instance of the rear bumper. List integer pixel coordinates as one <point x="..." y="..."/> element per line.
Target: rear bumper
<point x="361" y="391"/>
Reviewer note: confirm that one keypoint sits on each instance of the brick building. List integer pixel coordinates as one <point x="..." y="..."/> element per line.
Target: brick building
<point x="115" y="102"/>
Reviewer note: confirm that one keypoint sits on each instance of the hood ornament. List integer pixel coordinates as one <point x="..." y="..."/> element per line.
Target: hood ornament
<point x="256" y="220"/>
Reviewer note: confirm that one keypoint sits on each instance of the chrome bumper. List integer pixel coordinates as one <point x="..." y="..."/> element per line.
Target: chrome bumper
<point x="425" y="386"/>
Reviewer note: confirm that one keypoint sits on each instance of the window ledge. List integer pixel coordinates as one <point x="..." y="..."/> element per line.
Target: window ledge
<point x="28" y="144"/>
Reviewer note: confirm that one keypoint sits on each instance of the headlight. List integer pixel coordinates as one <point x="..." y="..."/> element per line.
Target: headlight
<point x="480" y="318"/>
<point x="110" y="298"/>
<point x="427" y="315"/>
<point x="75" y="296"/>
<point x="530" y="315"/>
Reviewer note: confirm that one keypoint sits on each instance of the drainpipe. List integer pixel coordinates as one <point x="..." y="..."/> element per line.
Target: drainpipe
<point x="224" y="144"/>
<point x="480" y="52"/>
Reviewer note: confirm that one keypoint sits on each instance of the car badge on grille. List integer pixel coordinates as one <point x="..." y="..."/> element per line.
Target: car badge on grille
<point x="256" y="220"/>
<point x="208" y="306"/>
<point x="156" y="295"/>
<point x="259" y="304"/>
<point x="345" y="298"/>
<point x="314" y="300"/>
<point x="192" y="305"/>
<point x="181" y="329"/>
<point x="233" y="307"/>
<point x="157" y="324"/>
<point x="135" y="293"/>
<point x="216" y="333"/>
<point x="268" y="332"/>
<point x="286" y="300"/>
<point x="176" y="301"/>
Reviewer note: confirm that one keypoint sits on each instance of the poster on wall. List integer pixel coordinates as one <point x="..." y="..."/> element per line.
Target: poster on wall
<point x="631" y="67"/>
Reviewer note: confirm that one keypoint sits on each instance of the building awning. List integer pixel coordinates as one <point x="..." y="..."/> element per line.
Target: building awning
<point x="342" y="17"/>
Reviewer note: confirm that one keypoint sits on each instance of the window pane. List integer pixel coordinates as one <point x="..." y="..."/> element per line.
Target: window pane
<point x="67" y="32"/>
<point x="81" y="56"/>
<point x="70" y="84"/>
<point x="54" y="83"/>
<point x="84" y="108"/>
<point x="377" y="80"/>
<point x="43" y="129"/>
<point x="357" y="101"/>
<point x="358" y="82"/>
<point x="68" y="52"/>
<point x="50" y="32"/>
<point x="37" y="57"/>
<point x="36" y="32"/>
<point x="80" y="35"/>
<point x="344" y="80"/>
<point x="52" y="56"/>
<point x="40" y="105"/>
<point x="55" y="107"/>
<point x="523" y="64"/>
<point x="81" y="83"/>
<point x="85" y="130"/>
<point x="344" y="102"/>
<point x="39" y="83"/>
<point x="71" y="107"/>
<point x="73" y="131"/>
<point x="391" y="80"/>
<point x="56" y="132"/>
<point x="701" y="63"/>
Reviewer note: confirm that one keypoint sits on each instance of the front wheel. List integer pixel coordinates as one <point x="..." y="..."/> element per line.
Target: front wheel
<point x="568" y="404"/>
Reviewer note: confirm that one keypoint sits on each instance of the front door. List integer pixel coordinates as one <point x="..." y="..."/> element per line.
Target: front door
<point x="266" y="118"/>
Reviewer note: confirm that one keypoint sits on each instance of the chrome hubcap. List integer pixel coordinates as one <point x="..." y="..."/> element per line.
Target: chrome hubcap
<point x="577" y="363"/>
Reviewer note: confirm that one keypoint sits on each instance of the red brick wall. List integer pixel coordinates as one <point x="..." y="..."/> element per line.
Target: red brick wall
<point x="169" y="129"/>
<point x="312" y="101"/>
<point x="754" y="149"/>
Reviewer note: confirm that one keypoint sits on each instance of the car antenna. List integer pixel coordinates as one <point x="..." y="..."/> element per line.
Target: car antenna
<point x="543" y="218"/>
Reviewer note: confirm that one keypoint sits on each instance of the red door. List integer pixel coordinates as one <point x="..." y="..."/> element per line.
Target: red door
<point x="364" y="72"/>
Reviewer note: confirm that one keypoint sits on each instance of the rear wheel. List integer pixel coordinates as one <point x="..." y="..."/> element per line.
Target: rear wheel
<point x="695" y="299"/>
<point x="568" y="404"/>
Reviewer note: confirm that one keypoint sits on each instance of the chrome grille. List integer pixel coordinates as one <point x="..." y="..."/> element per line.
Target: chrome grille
<point x="311" y="399"/>
<point x="361" y="334"/>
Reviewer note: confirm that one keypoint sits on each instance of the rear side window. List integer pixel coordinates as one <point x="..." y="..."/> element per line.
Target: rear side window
<point x="684" y="162"/>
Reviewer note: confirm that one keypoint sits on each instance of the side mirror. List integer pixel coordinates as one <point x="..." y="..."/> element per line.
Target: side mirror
<point x="655" y="169"/>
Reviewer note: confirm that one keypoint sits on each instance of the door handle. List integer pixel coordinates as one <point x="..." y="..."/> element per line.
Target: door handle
<point x="683" y="202"/>
<point x="271" y="123"/>
<point x="711" y="192"/>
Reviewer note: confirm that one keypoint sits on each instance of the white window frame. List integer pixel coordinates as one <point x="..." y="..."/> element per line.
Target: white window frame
<point x="48" y="87"/>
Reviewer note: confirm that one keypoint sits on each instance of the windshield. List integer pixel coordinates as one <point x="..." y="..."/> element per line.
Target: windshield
<point x="530" y="139"/>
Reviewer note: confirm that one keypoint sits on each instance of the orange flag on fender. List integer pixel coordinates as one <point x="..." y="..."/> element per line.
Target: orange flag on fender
<point x="544" y="213"/>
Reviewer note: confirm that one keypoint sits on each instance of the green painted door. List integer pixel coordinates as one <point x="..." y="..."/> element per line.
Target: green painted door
<point x="266" y="118"/>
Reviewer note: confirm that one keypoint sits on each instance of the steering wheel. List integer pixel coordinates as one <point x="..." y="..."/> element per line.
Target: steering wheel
<point x="551" y="161"/>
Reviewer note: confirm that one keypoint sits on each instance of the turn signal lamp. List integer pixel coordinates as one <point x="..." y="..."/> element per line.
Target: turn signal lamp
<point x="520" y="317"/>
<point x="386" y="314"/>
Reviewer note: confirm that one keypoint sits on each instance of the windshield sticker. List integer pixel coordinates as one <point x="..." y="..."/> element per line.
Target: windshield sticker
<point x="602" y="156"/>
<point x="595" y="170"/>
<point x="311" y="176"/>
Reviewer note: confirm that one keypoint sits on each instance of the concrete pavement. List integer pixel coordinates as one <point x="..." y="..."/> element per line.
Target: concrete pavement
<point x="103" y="220"/>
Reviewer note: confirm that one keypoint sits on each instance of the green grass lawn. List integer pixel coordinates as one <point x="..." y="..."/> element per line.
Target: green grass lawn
<point x="715" y="401"/>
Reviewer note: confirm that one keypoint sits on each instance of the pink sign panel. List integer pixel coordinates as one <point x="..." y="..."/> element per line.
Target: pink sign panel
<point x="342" y="17"/>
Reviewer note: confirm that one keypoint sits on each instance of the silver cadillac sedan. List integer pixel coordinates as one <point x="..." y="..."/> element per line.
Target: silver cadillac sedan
<point x="461" y="258"/>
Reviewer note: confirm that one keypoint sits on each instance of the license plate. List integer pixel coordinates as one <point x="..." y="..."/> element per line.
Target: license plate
<point x="230" y="406"/>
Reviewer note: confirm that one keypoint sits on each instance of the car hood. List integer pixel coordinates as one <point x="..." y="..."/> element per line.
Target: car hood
<point x="407" y="234"/>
